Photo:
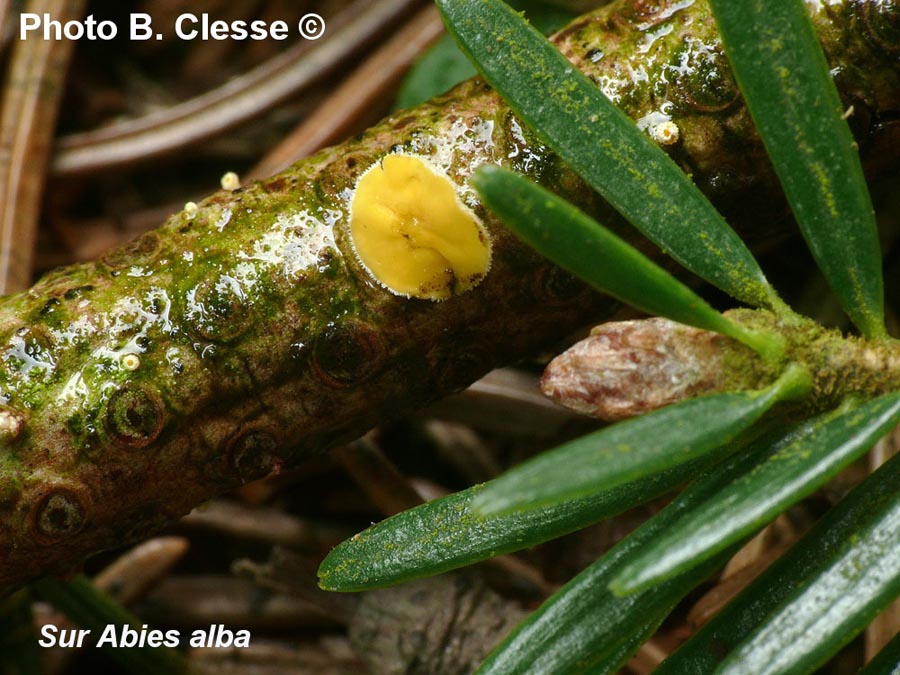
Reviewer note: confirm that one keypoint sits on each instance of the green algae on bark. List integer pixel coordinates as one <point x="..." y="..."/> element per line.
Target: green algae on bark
<point x="244" y="335"/>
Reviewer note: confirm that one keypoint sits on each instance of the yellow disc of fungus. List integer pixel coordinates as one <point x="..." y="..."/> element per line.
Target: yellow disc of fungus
<point x="413" y="234"/>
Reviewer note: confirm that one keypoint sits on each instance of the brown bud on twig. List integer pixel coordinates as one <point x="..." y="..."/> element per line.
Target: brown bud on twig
<point x="628" y="368"/>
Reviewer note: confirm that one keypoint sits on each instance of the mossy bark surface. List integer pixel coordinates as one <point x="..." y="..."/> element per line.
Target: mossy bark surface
<point x="242" y="337"/>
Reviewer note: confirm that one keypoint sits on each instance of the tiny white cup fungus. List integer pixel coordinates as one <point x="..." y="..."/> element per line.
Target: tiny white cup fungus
<point x="665" y="133"/>
<point x="230" y="181"/>
<point x="131" y="362"/>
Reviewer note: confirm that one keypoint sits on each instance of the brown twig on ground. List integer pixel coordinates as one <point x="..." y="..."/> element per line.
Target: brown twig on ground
<point x="507" y="401"/>
<point x="31" y="96"/>
<point x="381" y="480"/>
<point x="356" y="97"/>
<point x="137" y="570"/>
<point x="4" y="13"/>
<point x="648" y="657"/>
<point x="201" y="600"/>
<point x="233" y="103"/>
<point x="332" y="656"/>
<point x="267" y="525"/>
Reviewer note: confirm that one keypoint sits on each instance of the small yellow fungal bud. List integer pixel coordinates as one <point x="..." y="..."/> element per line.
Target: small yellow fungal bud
<point x="412" y="233"/>
<point x="665" y="133"/>
<point x="131" y="362"/>
<point x="230" y="181"/>
<point x="190" y="209"/>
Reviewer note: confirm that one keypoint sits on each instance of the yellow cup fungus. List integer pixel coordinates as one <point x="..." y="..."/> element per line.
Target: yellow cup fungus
<point x="413" y="234"/>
